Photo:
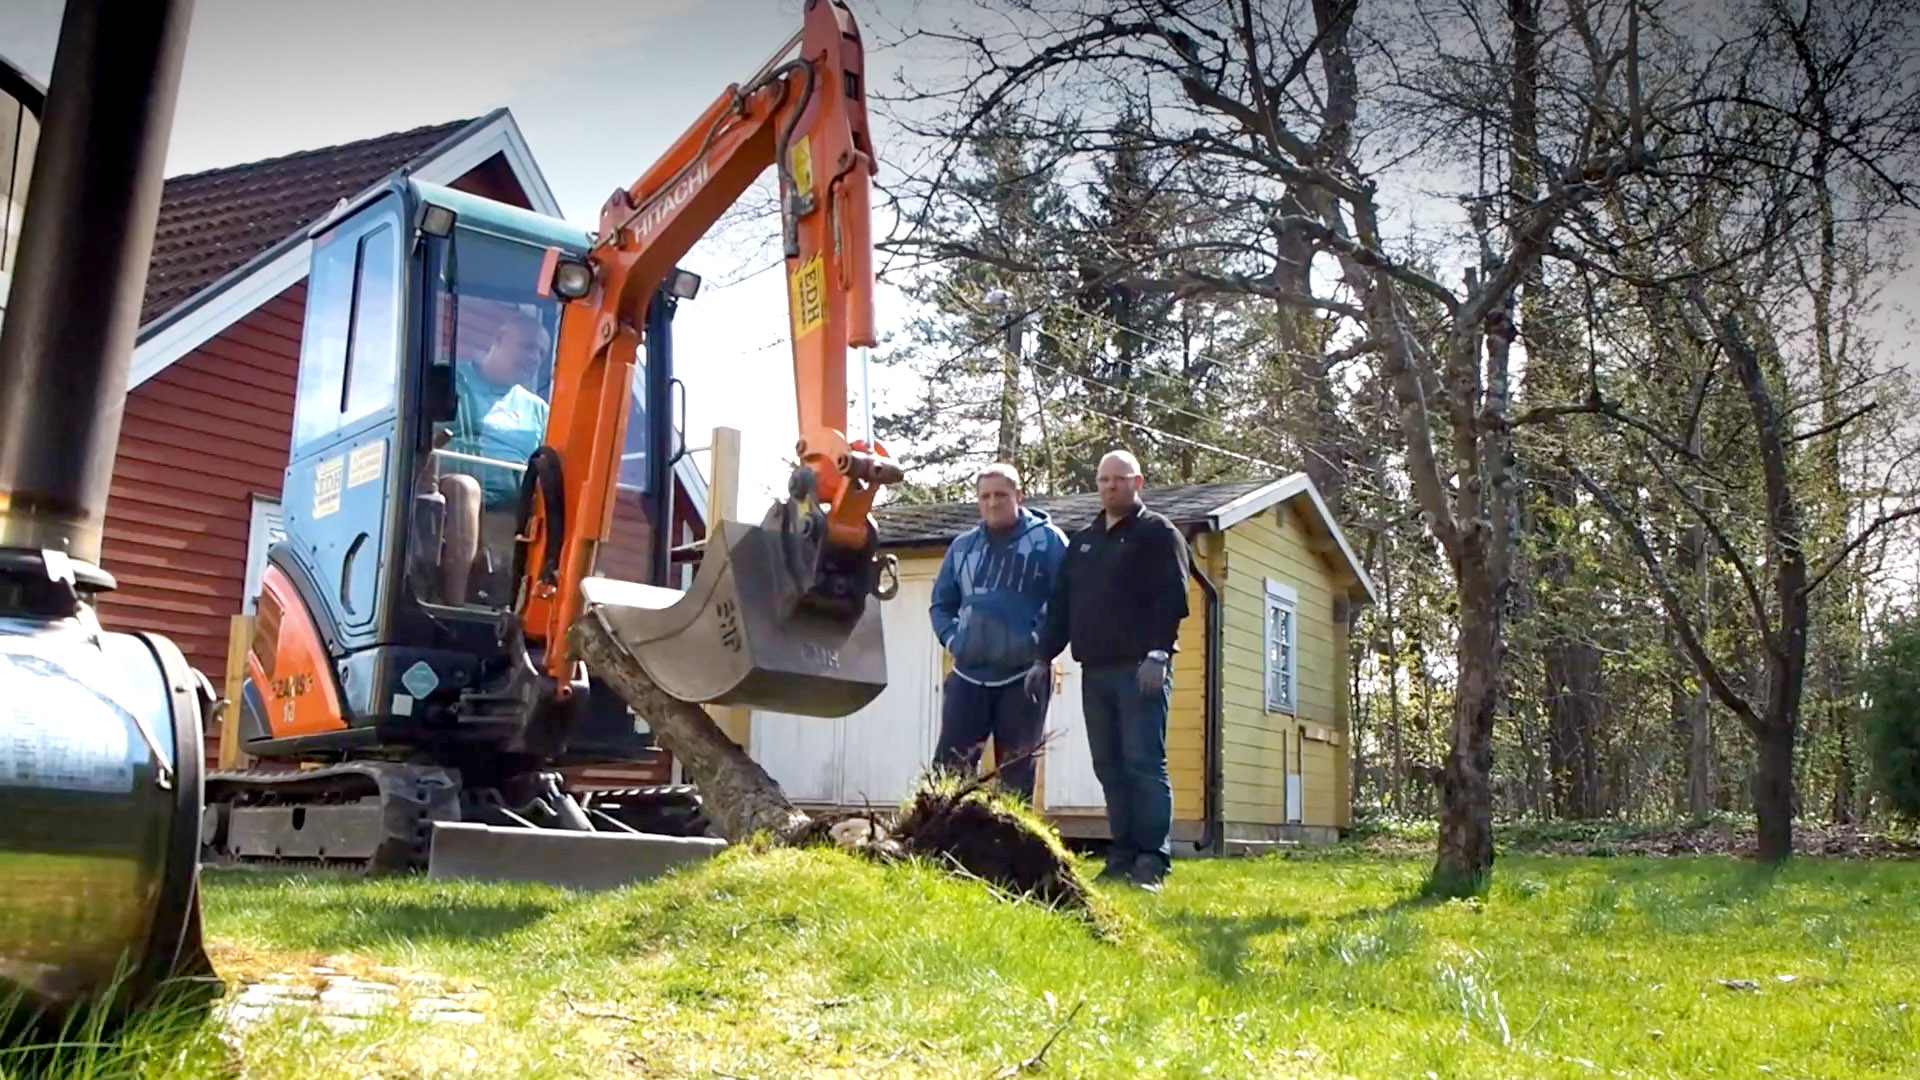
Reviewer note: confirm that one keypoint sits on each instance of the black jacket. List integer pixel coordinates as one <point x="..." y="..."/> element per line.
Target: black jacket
<point x="1122" y="592"/>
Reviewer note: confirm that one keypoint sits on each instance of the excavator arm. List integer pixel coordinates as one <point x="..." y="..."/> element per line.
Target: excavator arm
<point x="805" y="116"/>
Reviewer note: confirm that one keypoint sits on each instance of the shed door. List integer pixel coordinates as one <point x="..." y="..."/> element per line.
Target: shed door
<point x="873" y="755"/>
<point x="1296" y="793"/>
<point x="1069" y="782"/>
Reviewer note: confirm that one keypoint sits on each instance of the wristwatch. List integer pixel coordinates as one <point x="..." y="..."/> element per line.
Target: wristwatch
<point x="1159" y="655"/>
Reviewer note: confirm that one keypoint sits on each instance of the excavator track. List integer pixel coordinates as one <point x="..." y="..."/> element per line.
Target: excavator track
<point x="377" y="817"/>
<point x="365" y="816"/>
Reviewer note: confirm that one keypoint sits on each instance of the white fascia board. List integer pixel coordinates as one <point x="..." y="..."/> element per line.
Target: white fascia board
<point x="1260" y="500"/>
<point x="497" y="136"/>
<point x="687" y="472"/>
<point x="235" y="302"/>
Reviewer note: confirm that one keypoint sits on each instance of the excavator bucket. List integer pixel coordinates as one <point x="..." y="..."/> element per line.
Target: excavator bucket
<point x="727" y="641"/>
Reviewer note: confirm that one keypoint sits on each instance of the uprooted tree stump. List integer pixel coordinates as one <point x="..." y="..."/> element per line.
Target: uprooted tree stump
<point x="958" y="824"/>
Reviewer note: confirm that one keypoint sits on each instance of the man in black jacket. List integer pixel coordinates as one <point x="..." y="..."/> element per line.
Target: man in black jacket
<point x="1119" y="602"/>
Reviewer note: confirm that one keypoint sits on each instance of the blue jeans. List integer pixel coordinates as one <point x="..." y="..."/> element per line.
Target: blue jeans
<point x="969" y="713"/>
<point x="1127" y="732"/>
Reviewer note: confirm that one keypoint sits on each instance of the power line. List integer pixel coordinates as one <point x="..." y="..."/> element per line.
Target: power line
<point x="1183" y="439"/>
<point x="978" y="342"/>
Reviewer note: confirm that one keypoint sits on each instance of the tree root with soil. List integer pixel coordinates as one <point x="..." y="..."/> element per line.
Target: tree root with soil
<point x="963" y="825"/>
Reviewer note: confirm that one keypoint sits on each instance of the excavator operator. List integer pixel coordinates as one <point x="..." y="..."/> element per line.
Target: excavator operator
<point x="498" y="424"/>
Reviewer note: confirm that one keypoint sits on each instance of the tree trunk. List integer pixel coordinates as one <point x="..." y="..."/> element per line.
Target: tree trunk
<point x="738" y="796"/>
<point x="1573" y="705"/>
<point x="1700" y="784"/>
<point x="1773" y="790"/>
<point x="1466" y="788"/>
<point x="1009" y="446"/>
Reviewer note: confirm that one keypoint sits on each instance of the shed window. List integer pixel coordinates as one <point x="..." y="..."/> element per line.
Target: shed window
<point x="1282" y="608"/>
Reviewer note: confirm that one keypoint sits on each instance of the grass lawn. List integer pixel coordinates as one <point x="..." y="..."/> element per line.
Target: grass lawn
<point x="811" y="964"/>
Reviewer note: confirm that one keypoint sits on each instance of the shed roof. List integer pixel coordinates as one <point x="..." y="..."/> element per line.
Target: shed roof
<point x="213" y="222"/>
<point x="1209" y="506"/>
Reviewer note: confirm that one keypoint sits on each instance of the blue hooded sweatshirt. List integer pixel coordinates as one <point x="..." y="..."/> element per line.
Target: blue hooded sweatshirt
<point x="990" y="597"/>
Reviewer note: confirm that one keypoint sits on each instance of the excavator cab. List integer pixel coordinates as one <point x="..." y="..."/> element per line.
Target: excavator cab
<point x="427" y="384"/>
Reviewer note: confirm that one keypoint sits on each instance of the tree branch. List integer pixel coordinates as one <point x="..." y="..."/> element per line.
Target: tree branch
<point x="1670" y="600"/>
<point x="1856" y="543"/>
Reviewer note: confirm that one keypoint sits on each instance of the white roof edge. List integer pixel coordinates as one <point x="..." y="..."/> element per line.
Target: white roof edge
<point x="240" y="295"/>
<point x="1260" y="499"/>
<point x="687" y="471"/>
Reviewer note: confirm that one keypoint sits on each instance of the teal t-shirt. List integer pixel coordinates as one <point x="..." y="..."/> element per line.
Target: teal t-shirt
<point x="504" y="423"/>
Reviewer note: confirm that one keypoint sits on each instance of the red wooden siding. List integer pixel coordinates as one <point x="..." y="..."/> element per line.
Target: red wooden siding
<point x="198" y="441"/>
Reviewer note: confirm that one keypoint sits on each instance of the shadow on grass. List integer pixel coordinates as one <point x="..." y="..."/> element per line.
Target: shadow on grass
<point x="466" y="921"/>
<point x="326" y="914"/>
<point x="1220" y="942"/>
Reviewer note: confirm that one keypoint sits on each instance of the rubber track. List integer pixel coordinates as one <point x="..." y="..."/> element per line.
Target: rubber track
<point x="407" y="833"/>
<point x="667" y="809"/>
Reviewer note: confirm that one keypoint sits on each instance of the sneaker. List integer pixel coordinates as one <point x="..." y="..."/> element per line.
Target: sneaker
<point x="1149" y="873"/>
<point x="1113" y="872"/>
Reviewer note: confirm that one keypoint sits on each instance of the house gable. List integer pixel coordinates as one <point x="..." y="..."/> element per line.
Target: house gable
<point x="1325" y="536"/>
<point x="222" y="249"/>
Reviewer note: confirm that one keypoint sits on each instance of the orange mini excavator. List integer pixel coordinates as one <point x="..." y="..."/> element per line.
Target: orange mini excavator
<point x="483" y="454"/>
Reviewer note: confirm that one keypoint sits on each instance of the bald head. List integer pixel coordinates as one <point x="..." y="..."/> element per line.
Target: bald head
<point x="1120" y="482"/>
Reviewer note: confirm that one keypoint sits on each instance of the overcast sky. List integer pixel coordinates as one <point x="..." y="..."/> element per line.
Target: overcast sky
<point x="599" y="88"/>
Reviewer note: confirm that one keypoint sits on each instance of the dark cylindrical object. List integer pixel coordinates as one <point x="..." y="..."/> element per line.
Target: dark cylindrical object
<point x="100" y="796"/>
<point x="74" y="306"/>
<point x="1214" y="840"/>
<point x="660" y="448"/>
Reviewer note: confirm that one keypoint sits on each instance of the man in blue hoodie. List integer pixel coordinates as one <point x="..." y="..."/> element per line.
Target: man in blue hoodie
<point x="989" y="603"/>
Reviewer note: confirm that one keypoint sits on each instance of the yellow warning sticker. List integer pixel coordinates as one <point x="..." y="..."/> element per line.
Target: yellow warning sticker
<point x="800" y="160"/>
<point x="809" y="299"/>
<point x="326" y="486"/>
<point x="365" y="465"/>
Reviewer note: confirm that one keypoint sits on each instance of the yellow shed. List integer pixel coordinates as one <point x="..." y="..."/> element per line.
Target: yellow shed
<point x="1257" y="744"/>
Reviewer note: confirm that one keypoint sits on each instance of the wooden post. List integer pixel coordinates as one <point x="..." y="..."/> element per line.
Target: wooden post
<point x="239" y="636"/>
<point x="723" y="503"/>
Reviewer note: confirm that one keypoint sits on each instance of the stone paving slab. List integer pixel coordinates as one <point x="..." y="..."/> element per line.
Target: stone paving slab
<point x="346" y="1002"/>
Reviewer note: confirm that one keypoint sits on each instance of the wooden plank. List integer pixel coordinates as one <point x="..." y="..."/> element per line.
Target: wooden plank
<point x="199" y="526"/>
<point x="239" y="634"/>
<point x="723" y="504"/>
<point x="237" y="414"/>
<point x="136" y="469"/>
<point x="183" y="437"/>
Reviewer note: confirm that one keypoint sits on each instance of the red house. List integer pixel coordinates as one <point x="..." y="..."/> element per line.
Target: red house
<point x="209" y="410"/>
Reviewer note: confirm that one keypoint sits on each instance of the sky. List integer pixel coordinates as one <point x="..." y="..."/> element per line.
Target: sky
<point x="600" y="88"/>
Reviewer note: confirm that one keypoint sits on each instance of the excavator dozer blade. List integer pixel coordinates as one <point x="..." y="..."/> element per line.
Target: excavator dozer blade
<point x="726" y="642"/>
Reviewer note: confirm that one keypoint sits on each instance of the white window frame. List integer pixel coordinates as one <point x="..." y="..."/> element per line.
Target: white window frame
<point x="1280" y="597"/>
<point x="263" y="523"/>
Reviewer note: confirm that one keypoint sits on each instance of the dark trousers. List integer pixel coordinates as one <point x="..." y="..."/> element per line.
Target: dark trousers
<point x="971" y="712"/>
<point x="1127" y="733"/>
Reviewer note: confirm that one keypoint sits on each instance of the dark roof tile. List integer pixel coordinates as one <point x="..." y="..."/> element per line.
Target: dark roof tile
<point x="212" y="222"/>
<point x="931" y="523"/>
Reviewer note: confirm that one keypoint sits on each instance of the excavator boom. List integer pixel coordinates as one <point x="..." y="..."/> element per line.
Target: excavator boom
<point x="779" y="614"/>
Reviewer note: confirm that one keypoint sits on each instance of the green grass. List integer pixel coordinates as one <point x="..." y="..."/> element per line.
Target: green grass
<point x="814" y="964"/>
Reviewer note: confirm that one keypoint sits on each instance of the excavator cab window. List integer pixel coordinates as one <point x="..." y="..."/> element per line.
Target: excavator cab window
<point x="502" y="336"/>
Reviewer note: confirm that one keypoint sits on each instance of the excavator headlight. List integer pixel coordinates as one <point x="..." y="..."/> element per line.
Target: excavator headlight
<point x="436" y="220"/>
<point x="683" y="284"/>
<point x="572" y="280"/>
